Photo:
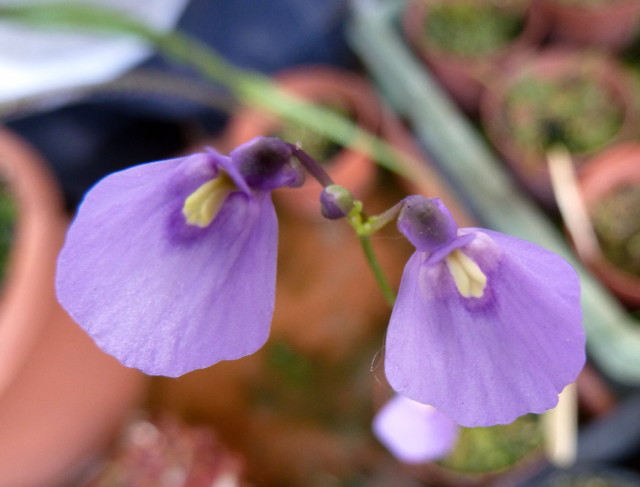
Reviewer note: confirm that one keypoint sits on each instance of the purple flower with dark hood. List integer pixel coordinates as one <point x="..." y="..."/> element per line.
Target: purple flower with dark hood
<point x="486" y="327"/>
<point x="170" y="266"/>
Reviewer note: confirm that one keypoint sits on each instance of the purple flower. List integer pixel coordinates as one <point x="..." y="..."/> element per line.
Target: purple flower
<point x="170" y="266"/>
<point x="486" y="327"/>
<point x="414" y="432"/>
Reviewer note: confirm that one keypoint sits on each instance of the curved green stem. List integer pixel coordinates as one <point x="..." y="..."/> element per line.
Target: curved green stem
<point x="249" y="87"/>
<point x="374" y="264"/>
<point x="364" y="227"/>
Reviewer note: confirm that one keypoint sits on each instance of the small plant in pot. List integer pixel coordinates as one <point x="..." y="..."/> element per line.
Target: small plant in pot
<point x="465" y="42"/>
<point x="617" y="225"/>
<point x="610" y="186"/>
<point x="481" y="450"/>
<point x="581" y="102"/>
<point x="437" y="451"/>
<point x="489" y="27"/>
<point x="482" y="455"/>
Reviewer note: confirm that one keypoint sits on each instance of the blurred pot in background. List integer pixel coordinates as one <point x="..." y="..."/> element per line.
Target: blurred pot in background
<point x="610" y="186"/>
<point x="466" y="42"/>
<point x="61" y="398"/>
<point x="581" y="101"/>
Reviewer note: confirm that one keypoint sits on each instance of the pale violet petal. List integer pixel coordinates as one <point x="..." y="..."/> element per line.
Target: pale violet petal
<point x="414" y="432"/>
<point x="160" y="295"/>
<point x="485" y="361"/>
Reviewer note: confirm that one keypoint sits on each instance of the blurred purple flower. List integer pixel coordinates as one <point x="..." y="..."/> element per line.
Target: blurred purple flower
<point x="170" y="266"/>
<point x="486" y="327"/>
<point x="414" y="432"/>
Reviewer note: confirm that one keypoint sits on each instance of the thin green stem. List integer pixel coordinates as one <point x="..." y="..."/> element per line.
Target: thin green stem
<point x="374" y="264"/>
<point x="363" y="228"/>
<point x="377" y="222"/>
<point x="249" y="87"/>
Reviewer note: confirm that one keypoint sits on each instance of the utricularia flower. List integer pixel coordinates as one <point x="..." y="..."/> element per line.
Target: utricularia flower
<point x="486" y="327"/>
<point x="170" y="266"/>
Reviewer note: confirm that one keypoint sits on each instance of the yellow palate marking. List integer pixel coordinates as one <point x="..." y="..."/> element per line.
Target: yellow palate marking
<point x="202" y="206"/>
<point x="469" y="278"/>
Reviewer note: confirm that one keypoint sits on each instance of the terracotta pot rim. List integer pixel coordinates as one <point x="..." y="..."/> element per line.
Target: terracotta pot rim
<point x="39" y="231"/>
<point x="61" y="398"/>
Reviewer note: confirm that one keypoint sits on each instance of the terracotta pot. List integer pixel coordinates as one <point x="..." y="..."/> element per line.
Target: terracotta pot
<point x="464" y="77"/>
<point x="531" y="165"/>
<point x="615" y="168"/>
<point x="61" y="398"/>
<point x="322" y="85"/>
<point x="609" y="25"/>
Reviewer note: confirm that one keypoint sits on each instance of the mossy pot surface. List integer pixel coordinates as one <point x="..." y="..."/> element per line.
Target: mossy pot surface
<point x="467" y="42"/>
<point x="610" y="186"/>
<point x="484" y="455"/>
<point x="471" y="28"/>
<point x="581" y="101"/>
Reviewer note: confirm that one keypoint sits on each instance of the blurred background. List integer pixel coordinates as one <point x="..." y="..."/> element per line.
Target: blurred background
<point x="522" y="115"/>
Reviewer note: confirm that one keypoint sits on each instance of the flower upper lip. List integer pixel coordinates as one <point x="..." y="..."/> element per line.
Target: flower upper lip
<point x="458" y="242"/>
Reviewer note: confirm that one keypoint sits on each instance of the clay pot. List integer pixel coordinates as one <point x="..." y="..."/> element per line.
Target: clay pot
<point x="329" y="86"/>
<point x="61" y="398"/>
<point x="610" y="25"/>
<point x="600" y="177"/>
<point x="530" y="165"/>
<point x="464" y="77"/>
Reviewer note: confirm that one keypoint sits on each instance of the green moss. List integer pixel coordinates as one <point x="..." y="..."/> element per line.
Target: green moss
<point x="574" y="111"/>
<point x="616" y="220"/>
<point x="471" y="28"/>
<point x="8" y="216"/>
<point x="488" y="449"/>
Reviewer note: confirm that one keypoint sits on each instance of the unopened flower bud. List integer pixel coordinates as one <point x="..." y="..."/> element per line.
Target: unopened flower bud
<point x="335" y="202"/>
<point x="426" y="222"/>
<point x="267" y="163"/>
